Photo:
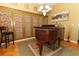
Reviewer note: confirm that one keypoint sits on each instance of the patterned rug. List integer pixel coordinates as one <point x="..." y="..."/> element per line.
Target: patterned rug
<point x="24" y="50"/>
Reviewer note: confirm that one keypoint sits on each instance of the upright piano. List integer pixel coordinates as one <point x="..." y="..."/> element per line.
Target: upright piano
<point x="48" y="33"/>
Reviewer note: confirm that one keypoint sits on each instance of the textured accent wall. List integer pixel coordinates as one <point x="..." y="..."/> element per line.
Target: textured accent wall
<point x="21" y="22"/>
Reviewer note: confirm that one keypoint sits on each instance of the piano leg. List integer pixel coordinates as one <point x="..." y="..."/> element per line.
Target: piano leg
<point x="40" y="49"/>
<point x="58" y="42"/>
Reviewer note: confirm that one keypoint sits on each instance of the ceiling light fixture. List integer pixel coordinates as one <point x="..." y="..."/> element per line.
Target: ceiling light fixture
<point x="44" y="9"/>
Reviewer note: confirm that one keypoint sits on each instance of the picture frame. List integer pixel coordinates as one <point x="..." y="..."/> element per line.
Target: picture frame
<point x="61" y="16"/>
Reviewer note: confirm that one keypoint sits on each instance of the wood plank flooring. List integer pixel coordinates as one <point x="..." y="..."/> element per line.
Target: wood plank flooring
<point x="12" y="50"/>
<point x="74" y="45"/>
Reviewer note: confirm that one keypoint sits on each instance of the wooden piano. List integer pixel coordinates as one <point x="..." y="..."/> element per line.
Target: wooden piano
<point x="48" y="33"/>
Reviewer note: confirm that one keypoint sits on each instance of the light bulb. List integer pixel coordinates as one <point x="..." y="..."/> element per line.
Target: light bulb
<point x="41" y="7"/>
<point x="44" y="13"/>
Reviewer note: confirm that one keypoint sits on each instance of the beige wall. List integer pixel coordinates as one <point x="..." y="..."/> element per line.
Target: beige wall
<point x="73" y="20"/>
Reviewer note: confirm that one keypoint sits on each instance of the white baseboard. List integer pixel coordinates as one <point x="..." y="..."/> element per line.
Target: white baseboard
<point x="70" y="40"/>
<point x="25" y="39"/>
<point x="31" y="38"/>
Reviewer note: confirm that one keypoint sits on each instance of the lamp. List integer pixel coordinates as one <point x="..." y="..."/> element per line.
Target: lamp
<point x="44" y="9"/>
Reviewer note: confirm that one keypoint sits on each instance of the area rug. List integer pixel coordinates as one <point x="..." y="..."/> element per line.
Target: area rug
<point x="24" y="50"/>
<point x="45" y="52"/>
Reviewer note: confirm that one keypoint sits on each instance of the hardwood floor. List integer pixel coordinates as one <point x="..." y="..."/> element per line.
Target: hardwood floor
<point x="13" y="50"/>
<point x="74" y="45"/>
